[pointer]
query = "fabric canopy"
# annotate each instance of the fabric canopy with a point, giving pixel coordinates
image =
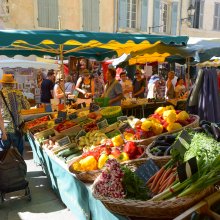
(27, 64)
(94, 45)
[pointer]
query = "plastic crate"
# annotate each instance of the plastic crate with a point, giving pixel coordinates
(102, 102)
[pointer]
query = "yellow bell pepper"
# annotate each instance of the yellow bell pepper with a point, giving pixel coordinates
(123, 157)
(146, 125)
(169, 107)
(76, 166)
(157, 128)
(159, 110)
(128, 136)
(182, 116)
(117, 141)
(102, 160)
(174, 126)
(88, 163)
(169, 116)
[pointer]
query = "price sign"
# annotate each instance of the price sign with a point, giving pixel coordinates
(187, 169)
(58, 120)
(123, 128)
(147, 170)
(62, 114)
(64, 141)
(72, 116)
(80, 134)
(122, 118)
(182, 143)
(102, 124)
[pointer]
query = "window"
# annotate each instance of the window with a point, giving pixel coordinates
(164, 17)
(48, 13)
(216, 26)
(132, 13)
(199, 12)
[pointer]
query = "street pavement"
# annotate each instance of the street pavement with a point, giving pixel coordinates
(44, 204)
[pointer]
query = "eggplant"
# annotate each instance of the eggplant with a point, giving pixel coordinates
(207, 129)
(162, 148)
(161, 142)
(159, 153)
(204, 122)
(167, 152)
(198, 130)
(170, 138)
(216, 131)
(161, 138)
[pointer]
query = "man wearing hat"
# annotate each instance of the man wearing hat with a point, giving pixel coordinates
(12, 101)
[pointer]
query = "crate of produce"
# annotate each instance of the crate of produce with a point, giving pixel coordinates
(32, 111)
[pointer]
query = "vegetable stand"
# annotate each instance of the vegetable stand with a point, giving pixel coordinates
(76, 195)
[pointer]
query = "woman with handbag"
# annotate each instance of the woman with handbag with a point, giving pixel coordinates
(12, 101)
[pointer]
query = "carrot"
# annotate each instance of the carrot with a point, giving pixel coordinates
(151, 179)
(168, 172)
(172, 179)
(167, 179)
(158, 175)
(163, 187)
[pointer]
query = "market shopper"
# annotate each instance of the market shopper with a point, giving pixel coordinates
(126, 85)
(86, 87)
(153, 87)
(180, 89)
(138, 85)
(59, 90)
(47, 87)
(113, 89)
(69, 85)
(12, 101)
(169, 92)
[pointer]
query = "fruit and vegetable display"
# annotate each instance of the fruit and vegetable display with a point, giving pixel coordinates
(64, 125)
(117, 181)
(165, 119)
(96, 158)
(91, 139)
(39, 128)
(36, 122)
(94, 115)
(91, 126)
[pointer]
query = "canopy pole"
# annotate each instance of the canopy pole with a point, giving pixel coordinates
(62, 71)
(188, 71)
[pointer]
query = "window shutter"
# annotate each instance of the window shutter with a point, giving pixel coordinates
(122, 22)
(144, 15)
(174, 17)
(53, 14)
(156, 17)
(91, 15)
(95, 15)
(42, 13)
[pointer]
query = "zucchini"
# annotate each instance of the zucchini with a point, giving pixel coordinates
(70, 157)
(67, 152)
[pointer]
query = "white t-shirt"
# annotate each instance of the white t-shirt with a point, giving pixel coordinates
(181, 89)
(127, 85)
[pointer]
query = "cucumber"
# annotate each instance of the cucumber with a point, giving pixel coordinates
(67, 152)
(73, 156)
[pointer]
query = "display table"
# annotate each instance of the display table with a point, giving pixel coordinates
(76, 195)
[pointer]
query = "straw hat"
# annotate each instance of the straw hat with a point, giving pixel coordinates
(7, 78)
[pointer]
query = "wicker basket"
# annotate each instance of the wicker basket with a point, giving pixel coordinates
(148, 141)
(152, 209)
(90, 176)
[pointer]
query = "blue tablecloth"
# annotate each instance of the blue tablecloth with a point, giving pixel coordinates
(76, 195)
